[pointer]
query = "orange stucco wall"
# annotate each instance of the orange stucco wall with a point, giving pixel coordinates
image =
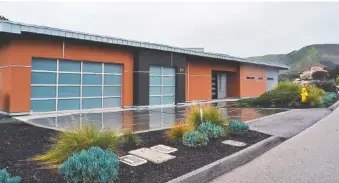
(199, 78)
(5, 78)
(15, 80)
(252, 87)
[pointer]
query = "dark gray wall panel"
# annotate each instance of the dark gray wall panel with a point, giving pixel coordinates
(143, 59)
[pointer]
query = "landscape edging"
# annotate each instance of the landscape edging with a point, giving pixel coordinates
(224, 165)
(334, 106)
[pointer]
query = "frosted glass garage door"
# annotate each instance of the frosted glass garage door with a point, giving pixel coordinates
(162, 85)
(60, 85)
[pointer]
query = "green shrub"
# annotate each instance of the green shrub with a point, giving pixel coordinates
(177, 131)
(130, 138)
(94, 165)
(238, 127)
(315, 95)
(327, 86)
(5, 177)
(73, 141)
(195, 139)
(213, 131)
(329, 98)
(285, 93)
(210, 113)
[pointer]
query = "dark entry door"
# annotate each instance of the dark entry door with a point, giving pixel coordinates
(219, 84)
(214, 85)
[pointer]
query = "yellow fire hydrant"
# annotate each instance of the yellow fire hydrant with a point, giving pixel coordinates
(304, 95)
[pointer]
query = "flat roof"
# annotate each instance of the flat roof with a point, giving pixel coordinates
(18, 28)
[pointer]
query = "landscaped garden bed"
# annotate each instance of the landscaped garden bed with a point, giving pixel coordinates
(89, 154)
(20, 142)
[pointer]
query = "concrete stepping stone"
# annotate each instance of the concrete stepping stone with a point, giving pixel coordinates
(151, 155)
(132, 160)
(234, 143)
(164, 149)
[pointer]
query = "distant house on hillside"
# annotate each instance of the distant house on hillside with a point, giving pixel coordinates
(308, 74)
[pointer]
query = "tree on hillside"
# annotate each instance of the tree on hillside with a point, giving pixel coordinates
(333, 73)
(320, 75)
(3, 18)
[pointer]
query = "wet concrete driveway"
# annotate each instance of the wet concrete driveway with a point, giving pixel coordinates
(148, 119)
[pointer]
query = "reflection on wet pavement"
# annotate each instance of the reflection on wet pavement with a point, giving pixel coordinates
(150, 119)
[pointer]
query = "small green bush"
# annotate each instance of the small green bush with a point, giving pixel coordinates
(177, 131)
(213, 131)
(210, 113)
(130, 138)
(195, 139)
(5, 177)
(73, 141)
(238, 127)
(94, 165)
(329, 98)
(315, 95)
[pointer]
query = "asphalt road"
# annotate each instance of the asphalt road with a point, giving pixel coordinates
(309, 157)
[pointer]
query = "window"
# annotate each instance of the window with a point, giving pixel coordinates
(59, 85)
(162, 85)
(270, 78)
(260, 78)
(250, 77)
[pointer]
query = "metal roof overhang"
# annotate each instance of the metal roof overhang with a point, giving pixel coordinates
(18, 28)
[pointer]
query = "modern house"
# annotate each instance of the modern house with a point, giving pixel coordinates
(44, 69)
(308, 73)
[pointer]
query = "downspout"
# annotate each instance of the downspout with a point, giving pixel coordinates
(63, 49)
(188, 80)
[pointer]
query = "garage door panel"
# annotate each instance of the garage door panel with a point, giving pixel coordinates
(112, 91)
(74, 85)
(69, 91)
(69, 66)
(162, 85)
(113, 68)
(65, 78)
(43, 92)
(43, 105)
(112, 80)
(68, 104)
(91, 103)
(112, 102)
(44, 64)
(44, 78)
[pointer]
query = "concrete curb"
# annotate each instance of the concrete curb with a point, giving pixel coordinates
(334, 106)
(217, 168)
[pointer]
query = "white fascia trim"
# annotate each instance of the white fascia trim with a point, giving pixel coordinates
(14, 113)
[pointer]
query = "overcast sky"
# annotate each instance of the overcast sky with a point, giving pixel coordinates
(237, 29)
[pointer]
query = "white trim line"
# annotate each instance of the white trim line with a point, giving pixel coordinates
(20, 66)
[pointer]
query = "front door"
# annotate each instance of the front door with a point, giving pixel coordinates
(222, 78)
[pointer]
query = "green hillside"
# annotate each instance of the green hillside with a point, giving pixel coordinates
(325, 55)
